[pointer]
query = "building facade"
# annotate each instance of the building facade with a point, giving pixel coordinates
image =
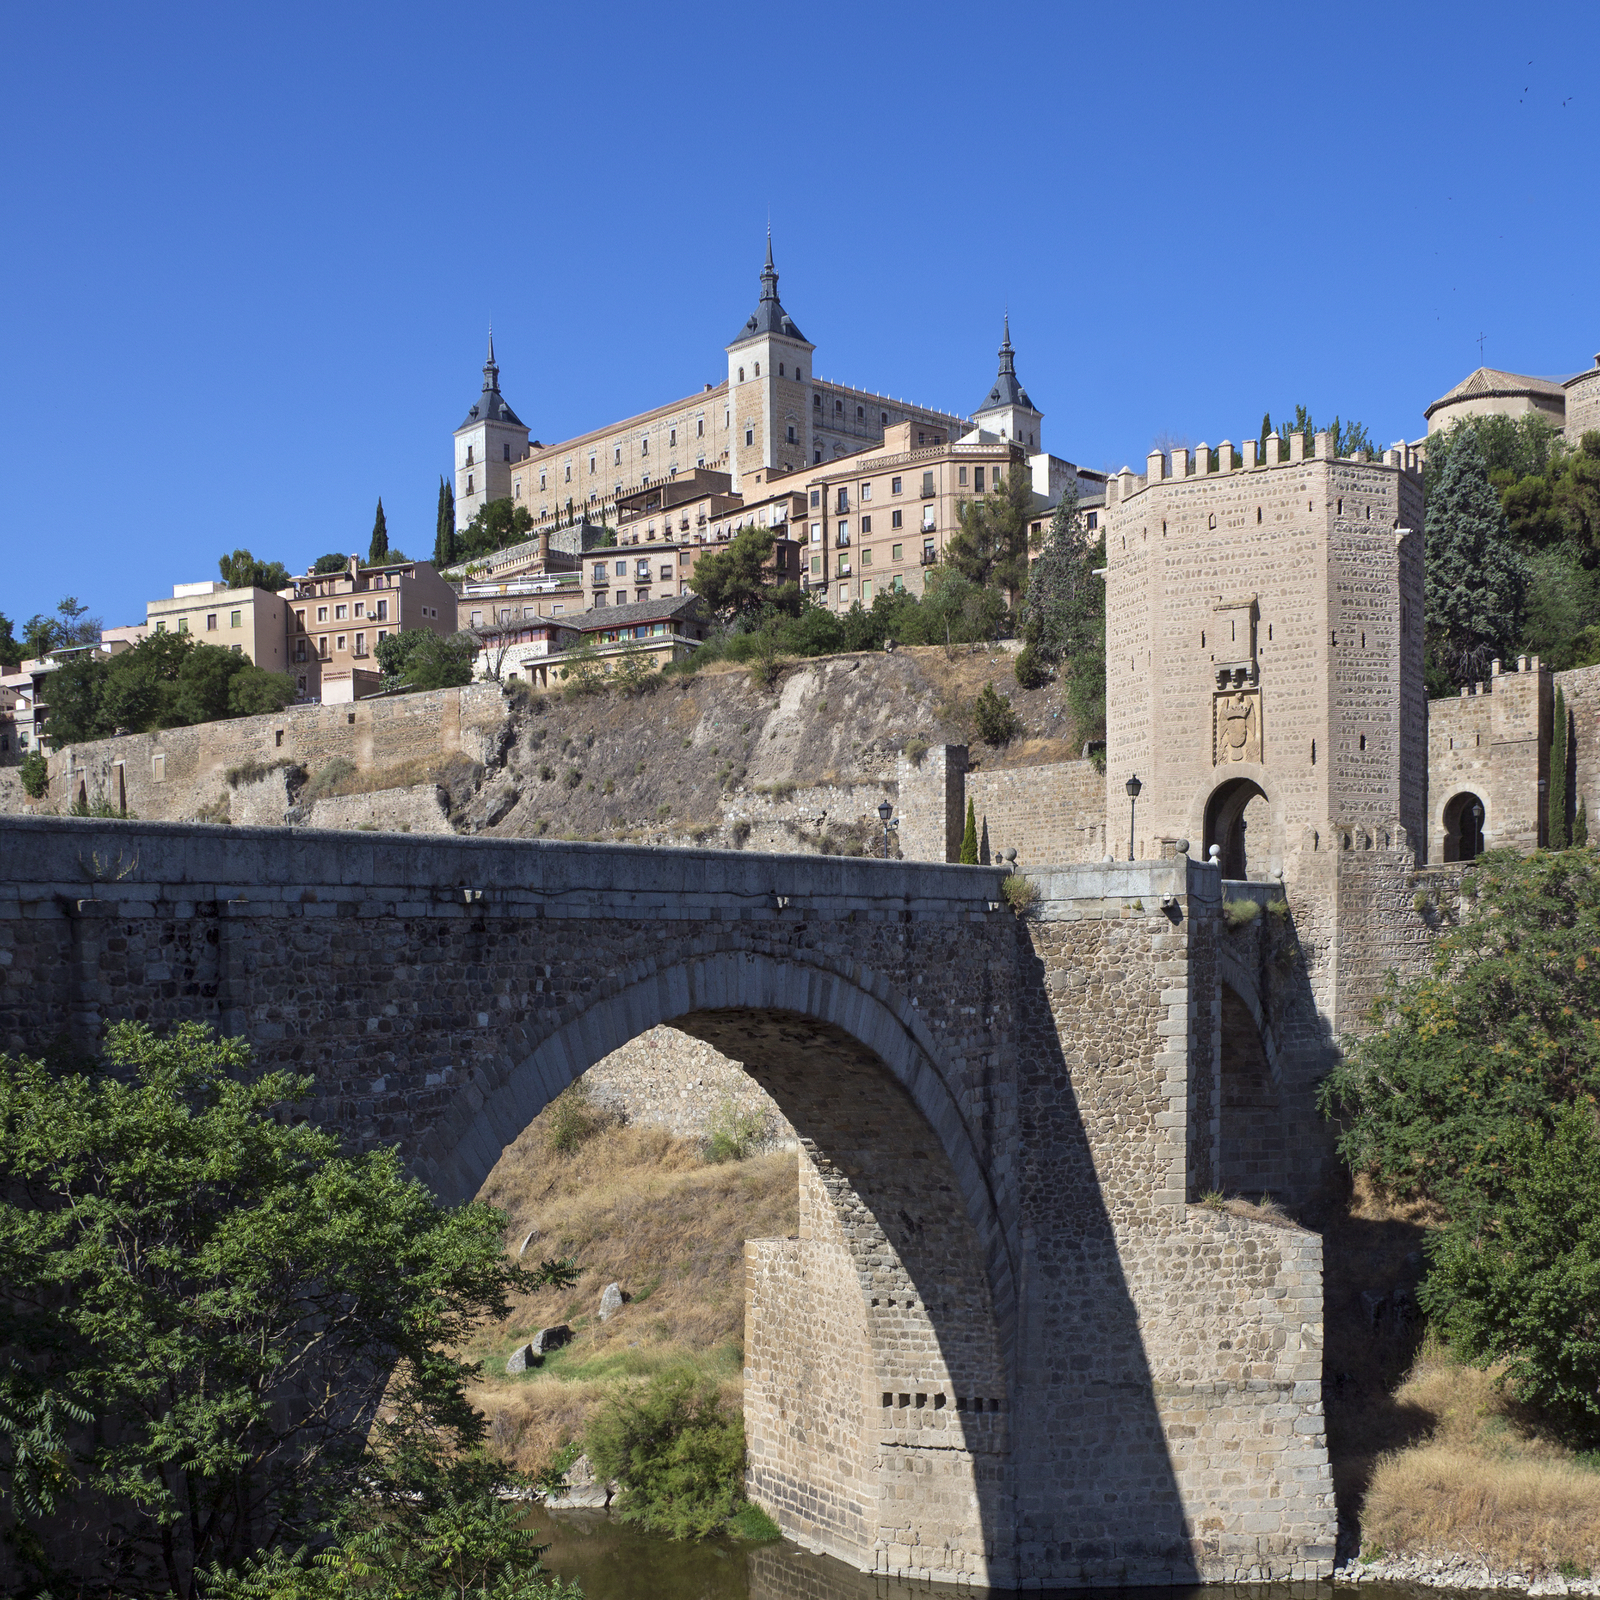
(770, 412)
(250, 622)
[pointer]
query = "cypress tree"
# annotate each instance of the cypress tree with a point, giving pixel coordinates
(969, 840)
(1556, 831)
(1476, 581)
(378, 550)
(444, 537)
(1580, 827)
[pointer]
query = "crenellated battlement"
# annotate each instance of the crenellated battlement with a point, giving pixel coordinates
(1226, 459)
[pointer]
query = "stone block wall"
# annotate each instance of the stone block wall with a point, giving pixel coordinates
(932, 803)
(179, 774)
(1583, 404)
(1051, 814)
(668, 1079)
(1582, 689)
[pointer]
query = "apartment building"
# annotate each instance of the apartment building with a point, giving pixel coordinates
(335, 620)
(249, 622)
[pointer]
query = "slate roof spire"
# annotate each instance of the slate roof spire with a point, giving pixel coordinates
(491, 406)
(1007, 391)
(769, 317)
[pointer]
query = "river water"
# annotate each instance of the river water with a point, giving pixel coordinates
(616, 1562)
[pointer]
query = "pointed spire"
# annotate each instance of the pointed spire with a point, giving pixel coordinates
(1007, 355)
(491, 373)
(769, 273)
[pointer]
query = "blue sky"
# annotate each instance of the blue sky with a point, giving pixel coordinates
(250, 252)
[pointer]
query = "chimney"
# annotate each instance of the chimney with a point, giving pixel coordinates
(544, 547)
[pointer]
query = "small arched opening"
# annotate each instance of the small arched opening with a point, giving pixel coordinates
(1238, 822)
(1251, 1145)
(1463, 827)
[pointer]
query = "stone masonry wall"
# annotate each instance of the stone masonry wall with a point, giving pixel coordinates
(668, 1079)
(1051, 814)
(179, 774)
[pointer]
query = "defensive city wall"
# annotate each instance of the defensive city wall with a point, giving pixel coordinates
(1011, 1343)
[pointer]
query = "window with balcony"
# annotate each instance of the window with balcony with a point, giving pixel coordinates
(929, 554)
(469, 483)
(299, 649)
(322, 647)
(211, 622)
(844, 500)
(361, 644)
(841, 535)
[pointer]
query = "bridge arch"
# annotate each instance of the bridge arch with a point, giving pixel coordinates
(891, 1321)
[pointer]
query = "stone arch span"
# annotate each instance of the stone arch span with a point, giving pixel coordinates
(880, 1342)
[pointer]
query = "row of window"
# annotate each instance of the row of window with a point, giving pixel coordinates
(339, 642)
(341, 613)
(897, 486)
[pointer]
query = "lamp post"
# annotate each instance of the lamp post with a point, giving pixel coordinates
(1132, 788)
(1477, 828)
(885, 811)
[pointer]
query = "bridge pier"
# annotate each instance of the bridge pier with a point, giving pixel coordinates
(1007, 1127)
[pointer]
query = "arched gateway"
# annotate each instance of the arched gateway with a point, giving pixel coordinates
(1007, 1346)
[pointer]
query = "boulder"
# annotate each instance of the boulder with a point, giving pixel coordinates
(610, 1301)
(583, 1489)
(548, 1339)
(523, 1358)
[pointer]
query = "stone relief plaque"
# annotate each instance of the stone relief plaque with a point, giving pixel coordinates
(1237, 727)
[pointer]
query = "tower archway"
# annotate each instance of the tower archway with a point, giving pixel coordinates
(1238, 820)
(1463, 818)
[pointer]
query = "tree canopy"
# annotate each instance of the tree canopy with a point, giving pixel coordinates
(378, 549)
(990, 546)
(444, 533)
(736, 583)
(164, 681)
(42, 635)
(1063, 614)
(10, 646)
(206, 1299)
(1476, 581)
(495, 525)
(1478, 1091)
(418, 658)
(241, 570)
(332, 562)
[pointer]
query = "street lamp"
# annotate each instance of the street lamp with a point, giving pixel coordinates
(1477, 827)
(1132, 788)
(885, 811)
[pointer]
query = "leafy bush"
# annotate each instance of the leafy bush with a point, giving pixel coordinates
(1240, 913)
(997, 723)
(914, 750)
(1020, 893)
(969, 838)
(734, 1134)
(35, 774)
(573, 778)
(574, 1118)
(327, 779)
(1030, 669)
(676, 1452)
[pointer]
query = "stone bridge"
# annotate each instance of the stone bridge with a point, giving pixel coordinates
(1008, 1346)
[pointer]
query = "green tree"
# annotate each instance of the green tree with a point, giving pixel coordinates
(205, 1301)
(1476, 582)
(40, 635)
(332, 562)
(76, 628)
(676, 1452)
(1517, 1278)
(255, 692)
(496, 524)
(241, 570)
(10, 647)
(418, 658)
(997, 722)
(736, 582)
(141, 685)
(1499, 1035)
(1556, 795)
(1063, 614)
(990, 547)
(969, 839)
(444, 536)
(72, 694)
(35, 774)
(204, 682)
(378, 549)
(1580, 826)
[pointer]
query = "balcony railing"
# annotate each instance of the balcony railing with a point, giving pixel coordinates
(841, 541)
(927, 492)
(844, 569)
(930, 558)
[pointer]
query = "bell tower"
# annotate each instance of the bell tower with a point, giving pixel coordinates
(769, 387)
(1006, 409)
(486, 444)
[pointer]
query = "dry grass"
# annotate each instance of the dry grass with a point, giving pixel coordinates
(637, 1207)
(1429, 1458)
(1485, 1482)
(453, 770)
